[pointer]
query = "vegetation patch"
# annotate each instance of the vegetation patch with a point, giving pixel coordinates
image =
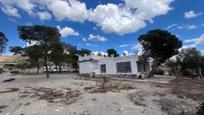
(137, 98)
(67, 96)
(105, 84)
(2, 107)
(10, 90)
(188, 88)
(175, 107)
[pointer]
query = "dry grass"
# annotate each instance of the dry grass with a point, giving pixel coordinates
(188, 88)
(137, 99)
(110, 86)
(51, 95)
(2, 107)
(10, 90)
(175, 107)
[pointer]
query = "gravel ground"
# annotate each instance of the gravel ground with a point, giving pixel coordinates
(142, 100)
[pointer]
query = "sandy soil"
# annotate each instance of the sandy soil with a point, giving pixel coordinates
(146, 98)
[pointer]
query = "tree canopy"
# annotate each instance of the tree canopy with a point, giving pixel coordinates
(159, 45)
(44, 36)
(3, 42)
(112, 52)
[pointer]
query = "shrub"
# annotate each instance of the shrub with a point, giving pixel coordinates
(200, 109)
(1, 70)
(159, 72)
(187, 73)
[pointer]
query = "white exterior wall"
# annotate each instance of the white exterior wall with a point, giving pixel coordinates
(91, 64)
(111, 64)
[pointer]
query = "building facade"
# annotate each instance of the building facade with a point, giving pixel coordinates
(113, 65)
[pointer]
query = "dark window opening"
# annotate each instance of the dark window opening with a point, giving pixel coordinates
(103, 68)
(123, 67)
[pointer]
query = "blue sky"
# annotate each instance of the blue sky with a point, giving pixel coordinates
(101, 24)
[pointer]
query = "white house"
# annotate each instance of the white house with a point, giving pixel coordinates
(112, 65)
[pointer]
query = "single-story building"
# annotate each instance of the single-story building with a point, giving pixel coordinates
(11, 60)
(131, 65)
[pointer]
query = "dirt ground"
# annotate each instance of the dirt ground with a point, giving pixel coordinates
(69, 94)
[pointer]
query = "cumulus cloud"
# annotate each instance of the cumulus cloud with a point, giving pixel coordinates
(196, 41)
(191, 14)
(44, 15)
(112, 18)
(139, 49)
(96, 38)
(11, 11)
(73, 10)
(25, 5)
(127, 17)
(67, 31)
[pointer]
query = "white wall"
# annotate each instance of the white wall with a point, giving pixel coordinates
(111, 64)
(87, 67)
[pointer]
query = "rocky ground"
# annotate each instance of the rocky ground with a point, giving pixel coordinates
(69, 94)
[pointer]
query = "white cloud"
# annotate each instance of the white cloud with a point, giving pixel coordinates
(67, 31)
(112, 18)
(124, 45)
(127, 17)
(11, 11)
(84, 39)
(44, 15)
(139, 49)
(196, 41)
(191, 14)
(202, 52)
(96, 38)
(182, 27)
(171, 26)
(102, 53)
(73, 10)
(25, 5)
(91, 45)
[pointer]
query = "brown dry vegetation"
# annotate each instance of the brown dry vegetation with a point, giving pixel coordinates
(9, 90)
(188, 88)
(51, 95)
(105, 85)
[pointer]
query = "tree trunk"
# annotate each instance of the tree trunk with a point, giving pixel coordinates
(46, 65)
(38, 68)
(151, 73)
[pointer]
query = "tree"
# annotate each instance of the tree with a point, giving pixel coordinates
(3, 42)
(44, 36)
(35, 54)
(83, 52)
(17, 50)
(57, 55)
(71, 55)
(159, 45)
(202, 65)
(191, 59)
(112, 52)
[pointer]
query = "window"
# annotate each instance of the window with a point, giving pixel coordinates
(141, 67)
(103, 68)
(123, 67)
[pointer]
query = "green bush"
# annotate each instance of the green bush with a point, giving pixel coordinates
(200, 109)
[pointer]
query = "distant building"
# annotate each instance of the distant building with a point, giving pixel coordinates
(113, 65)
(11, 60)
